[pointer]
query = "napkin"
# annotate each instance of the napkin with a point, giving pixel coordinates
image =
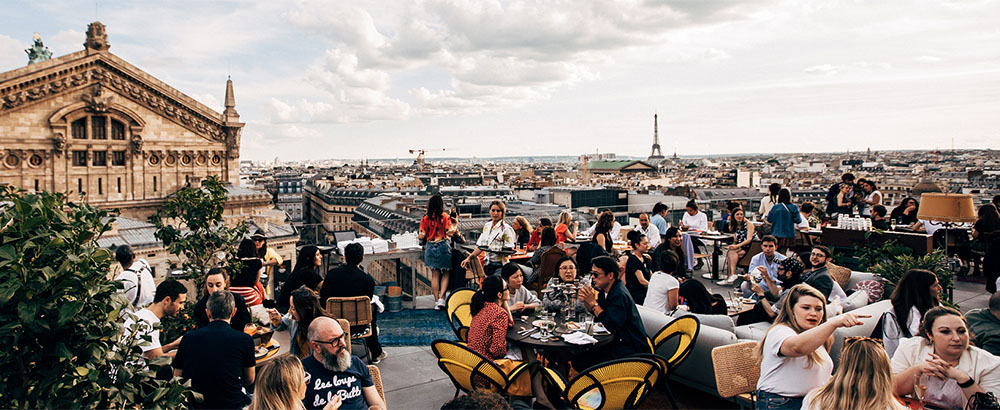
(579, 338)
(599, 328)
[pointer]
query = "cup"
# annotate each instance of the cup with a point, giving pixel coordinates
(588, 324)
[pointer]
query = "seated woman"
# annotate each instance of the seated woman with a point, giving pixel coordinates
(744, 231)
(916, 293)
(306, 272)
(217, 279)
(548, 240)
(636, 267)
(862, 381)
(247, 282)
(794, 351)
(521, 299)
(698, 300)
(602, 232)
(954, 369)
(566, 273)
(302, 309)
(662, 294)
(522, 229)
(491, 318)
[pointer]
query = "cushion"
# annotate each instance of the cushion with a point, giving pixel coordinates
(873, 288)
(857, 299)
(723, 322)
(840, 274)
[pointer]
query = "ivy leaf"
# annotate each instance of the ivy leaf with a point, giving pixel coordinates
(68, 310)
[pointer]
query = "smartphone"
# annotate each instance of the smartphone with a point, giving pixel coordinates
(269, 304)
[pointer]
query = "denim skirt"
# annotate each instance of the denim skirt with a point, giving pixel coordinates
(437, 255)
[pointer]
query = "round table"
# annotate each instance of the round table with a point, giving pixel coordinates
(528, 342)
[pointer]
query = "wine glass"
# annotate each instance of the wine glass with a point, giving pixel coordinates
(920, 388)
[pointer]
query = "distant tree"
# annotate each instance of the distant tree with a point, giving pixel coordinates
(190, 225)
(63, 346)
(773, 161)
(691, 166)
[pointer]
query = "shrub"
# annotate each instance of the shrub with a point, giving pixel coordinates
(59, 313)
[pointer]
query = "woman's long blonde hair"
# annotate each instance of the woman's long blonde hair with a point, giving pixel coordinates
(863, 380)
(277, 384)
(524, 222)
(564, 218)
(787, 317)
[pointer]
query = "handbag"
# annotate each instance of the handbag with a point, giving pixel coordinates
(982, 400)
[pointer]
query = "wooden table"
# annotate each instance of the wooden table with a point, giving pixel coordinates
(550, 345)
(745, 307)
(921, 243)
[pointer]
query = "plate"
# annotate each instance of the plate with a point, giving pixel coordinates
(748, 301)
(540, 323)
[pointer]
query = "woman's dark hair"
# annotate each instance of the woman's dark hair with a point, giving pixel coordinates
(659, 207)
(435, 207)
(773, 190)
(247, 249)
(733, 205)
(217, 271)
(492, 286)
(564, 259)
(913, 290)
(605, 221)
(691, 204)
(634, 237)
(509, 270)
(306, 258)
(927, 323)
(696, 296)
(306, 306)
(548, 236)
(988, 214)
(785, 196)
(871, 184)
(733, 225)
(544, 222)
(671, 232)
(606, 264)
(807, 207)
(898, 210)
(804, 258)
(666, 261)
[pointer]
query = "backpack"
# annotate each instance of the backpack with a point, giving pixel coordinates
(138, 287)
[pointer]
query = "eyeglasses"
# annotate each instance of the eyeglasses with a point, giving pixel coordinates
(333, 342)
(850, 340)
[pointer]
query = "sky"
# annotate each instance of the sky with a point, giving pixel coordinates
(462, 78)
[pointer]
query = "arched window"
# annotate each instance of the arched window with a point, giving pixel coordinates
(100, 127)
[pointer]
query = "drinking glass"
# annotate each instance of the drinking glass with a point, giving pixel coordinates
(550, 326)
(920, 388)
(736, 297)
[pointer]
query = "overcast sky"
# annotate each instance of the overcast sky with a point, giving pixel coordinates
(371, 79)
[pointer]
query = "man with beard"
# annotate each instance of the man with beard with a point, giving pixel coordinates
(334, 374)
(168, 300)
(819, 277)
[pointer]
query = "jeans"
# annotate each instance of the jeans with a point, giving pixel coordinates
(771, 401)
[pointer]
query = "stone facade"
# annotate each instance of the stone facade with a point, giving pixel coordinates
(90, 122)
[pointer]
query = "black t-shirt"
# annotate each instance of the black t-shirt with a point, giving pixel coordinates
(304, 276)
(213, 358)
(523, 237)
(241, 319)
(346, 281)
(348, 384)
(635, 288)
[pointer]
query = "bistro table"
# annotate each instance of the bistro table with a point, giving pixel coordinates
(556, 346)
(266, 352)
(715, 237)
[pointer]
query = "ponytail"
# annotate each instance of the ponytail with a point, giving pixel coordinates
(492, 286)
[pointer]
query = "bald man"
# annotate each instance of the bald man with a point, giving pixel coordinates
(334, 374)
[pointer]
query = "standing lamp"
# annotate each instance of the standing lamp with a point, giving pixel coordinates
(948, 208)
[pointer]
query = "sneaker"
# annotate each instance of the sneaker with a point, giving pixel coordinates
(440, 305)
(380, 358)
(699, 264)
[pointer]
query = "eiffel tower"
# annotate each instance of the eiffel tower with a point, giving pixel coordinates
(656, 154)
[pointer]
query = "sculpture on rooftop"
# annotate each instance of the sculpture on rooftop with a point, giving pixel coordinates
(38, 52)
(97, 37)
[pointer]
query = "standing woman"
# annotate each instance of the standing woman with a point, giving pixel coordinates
(987, 231)
(794, 351)
(845, 201)
(744, 235)
(768, 201)
(494, 231)
(247, 282)
(265, 253)
(306, 273)
(436, 228)
(955, 369)
(636, 268)
(522, 230)
(872, 197)
(862, 381)
(784, 217)
(602, 232)
(563, 233)
(915, 293)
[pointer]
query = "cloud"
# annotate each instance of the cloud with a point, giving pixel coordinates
(12, 53)
(928, 59)
(832, 69)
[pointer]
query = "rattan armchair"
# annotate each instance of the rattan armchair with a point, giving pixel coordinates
(737, 369)
(469, 370)
(459, 314)
(617, 384)
(357, 310)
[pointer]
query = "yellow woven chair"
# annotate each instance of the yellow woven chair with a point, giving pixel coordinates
(617, 384)
(737, 369)
(377, 380)
(685, 330)
(459, 313)
(470, 371)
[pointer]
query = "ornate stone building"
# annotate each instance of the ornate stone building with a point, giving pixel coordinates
(90, 122)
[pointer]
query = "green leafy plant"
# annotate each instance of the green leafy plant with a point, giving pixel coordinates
(892, 268)
(176, 326)
(870, 255)
(59, 313)
(190, 224)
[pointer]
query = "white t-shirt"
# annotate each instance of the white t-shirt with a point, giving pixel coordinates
(789, 376)
(805, 221)
(698, 221)
(979, 364)
(147, 322)
(765, 206)
(659, 285)
(138, 278)
(652, 233)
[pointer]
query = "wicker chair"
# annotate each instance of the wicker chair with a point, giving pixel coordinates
(357, 310)
(459, 315)
(737, 369)
(377, 379)
(469, 370)
(685, 330)
(548, 268)
(840, 274)
(617, 384)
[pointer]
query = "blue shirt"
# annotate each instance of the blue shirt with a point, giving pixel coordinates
(659, 223)
(772, 268)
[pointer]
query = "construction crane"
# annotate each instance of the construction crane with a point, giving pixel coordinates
(419, 162)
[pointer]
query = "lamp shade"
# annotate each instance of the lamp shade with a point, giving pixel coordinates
(941, 207)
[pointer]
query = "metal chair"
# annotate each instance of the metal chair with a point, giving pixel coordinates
(617, 384)
(469, 370)
(685, 331)
(357, 310)
(459, 314)
(736, 371)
